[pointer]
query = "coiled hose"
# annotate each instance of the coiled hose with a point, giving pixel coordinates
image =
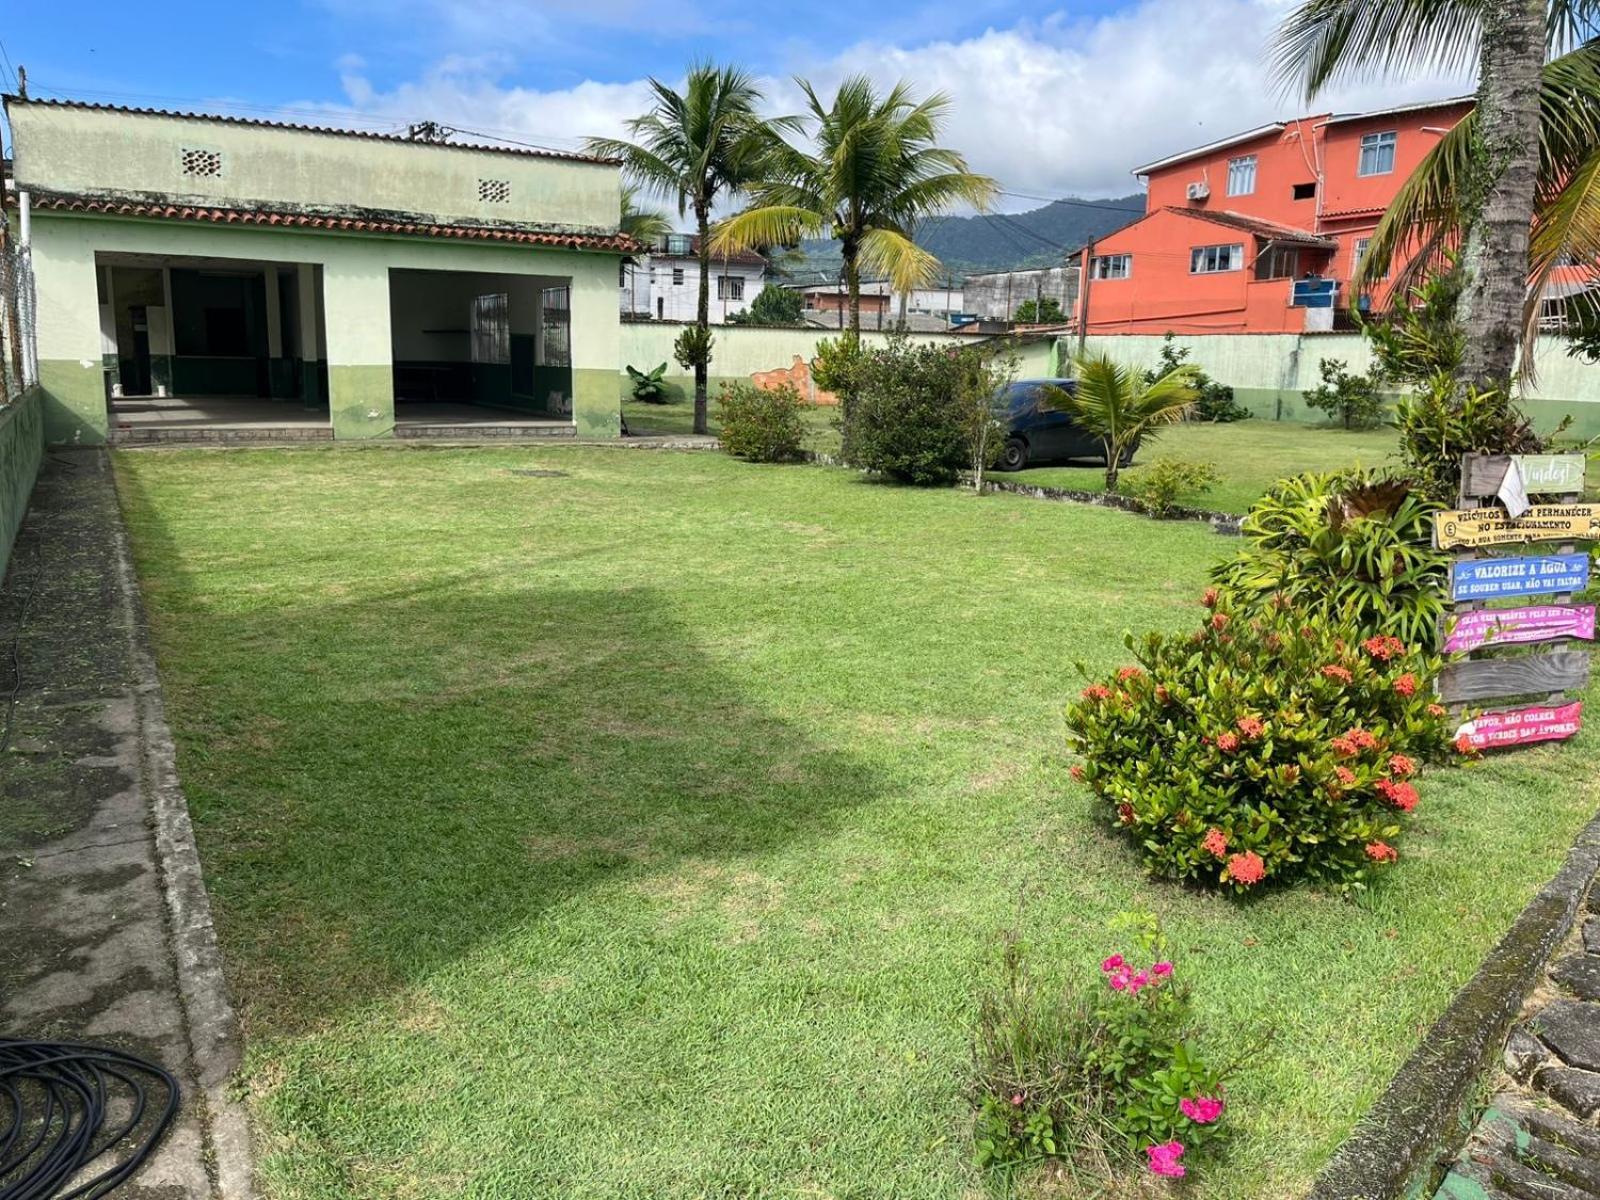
(71, 1105)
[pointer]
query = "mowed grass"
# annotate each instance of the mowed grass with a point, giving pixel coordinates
(1249, 456)
(648, 830)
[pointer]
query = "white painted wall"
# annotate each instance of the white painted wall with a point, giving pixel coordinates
(668, 289)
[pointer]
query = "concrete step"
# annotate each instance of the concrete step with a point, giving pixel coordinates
(483, 432)
(254, 434)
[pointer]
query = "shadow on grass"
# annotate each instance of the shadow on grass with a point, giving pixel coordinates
(384, 781)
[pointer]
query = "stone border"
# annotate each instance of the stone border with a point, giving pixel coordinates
(211, 1026)
(1420, 1118)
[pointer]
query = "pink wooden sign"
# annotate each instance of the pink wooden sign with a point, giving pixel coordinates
(1513, 626)
(1523, 726)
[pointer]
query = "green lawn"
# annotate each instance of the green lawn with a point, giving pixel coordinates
(1249, 456)
(647, 830)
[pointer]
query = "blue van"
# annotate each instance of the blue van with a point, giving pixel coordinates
(1037, 434)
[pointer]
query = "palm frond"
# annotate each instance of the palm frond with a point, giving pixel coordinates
(1327, 40)
(770, 226)
(890, 252)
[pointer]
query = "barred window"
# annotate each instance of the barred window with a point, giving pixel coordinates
(491, 328)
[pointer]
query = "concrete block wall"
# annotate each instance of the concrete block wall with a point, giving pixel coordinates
(1271, 373)
(21, 450)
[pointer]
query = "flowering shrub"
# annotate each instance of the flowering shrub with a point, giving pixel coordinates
(1104, 1082)
(1272, 748)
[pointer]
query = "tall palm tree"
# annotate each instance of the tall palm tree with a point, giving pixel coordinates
(643, 225)
(694, 147)
(872, 168)
(1498, 156)
(1113, 402)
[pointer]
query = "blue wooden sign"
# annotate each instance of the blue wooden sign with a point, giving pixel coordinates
(1492, 578)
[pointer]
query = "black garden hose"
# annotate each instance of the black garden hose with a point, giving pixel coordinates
(65, 1106)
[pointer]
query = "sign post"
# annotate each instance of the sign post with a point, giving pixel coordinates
(1539, 501)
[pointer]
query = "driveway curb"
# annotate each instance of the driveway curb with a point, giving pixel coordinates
(1423, 1115)
(211, 1026)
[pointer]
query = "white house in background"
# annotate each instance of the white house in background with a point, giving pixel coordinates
(664, 285)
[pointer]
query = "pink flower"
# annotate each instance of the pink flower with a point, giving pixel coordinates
(1161, 970)
(1140, 980)
(1112, 963)
(1202, 1110)
(1164, 1159)
(1209, 598)
(1119, 981)
(1017, 1100)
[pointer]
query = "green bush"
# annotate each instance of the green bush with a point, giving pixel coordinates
(649, 386)
(761, 424)
(911, 415)
(1214, 401)
(773, 305)
(1167, 480)
(1285, 741)
(1440, 423)
(1104, 1081)
(1350, 399)
(1349, 546)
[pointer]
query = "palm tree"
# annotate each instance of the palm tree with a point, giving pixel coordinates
(643, 225)
(872, 169)
(1495, 187)
(694, 147)
(1114, 403)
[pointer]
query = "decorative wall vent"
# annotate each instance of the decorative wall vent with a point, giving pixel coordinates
(494, 191)
(201, 162)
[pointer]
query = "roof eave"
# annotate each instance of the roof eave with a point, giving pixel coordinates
(1173, 160)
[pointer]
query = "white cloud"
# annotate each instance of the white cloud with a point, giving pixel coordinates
(1049, 107)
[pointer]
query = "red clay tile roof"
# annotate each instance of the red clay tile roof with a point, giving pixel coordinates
(1270, 230)
(225, 215)
(528, 151)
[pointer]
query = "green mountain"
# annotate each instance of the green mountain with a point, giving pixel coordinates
(1041, 237)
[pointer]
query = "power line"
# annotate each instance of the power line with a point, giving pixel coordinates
(1074, 200)
(6, 58)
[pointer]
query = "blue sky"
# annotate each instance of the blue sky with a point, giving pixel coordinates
(1051, 99)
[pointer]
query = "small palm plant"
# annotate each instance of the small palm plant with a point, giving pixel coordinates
(1114, 403)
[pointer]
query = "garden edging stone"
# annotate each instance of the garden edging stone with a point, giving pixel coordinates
(1418, 1119)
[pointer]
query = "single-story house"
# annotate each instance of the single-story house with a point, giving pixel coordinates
(191, 268)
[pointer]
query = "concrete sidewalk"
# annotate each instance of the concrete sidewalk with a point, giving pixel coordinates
(105, 933)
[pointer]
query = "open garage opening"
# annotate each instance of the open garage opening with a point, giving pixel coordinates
(195, 345)
(480, 348)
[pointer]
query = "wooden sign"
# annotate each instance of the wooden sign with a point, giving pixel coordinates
(1496, 678)
(1493, 527)
(1468, 631)
(1523, 726)
(1542, 474)
(1492, 578)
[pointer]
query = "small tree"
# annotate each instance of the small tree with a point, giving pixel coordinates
(1214, 401)
(1349, 398)
(773, 305)
(981, 375)
(649, 386)
(1033, 312)
(1114, 403)
(693, 349)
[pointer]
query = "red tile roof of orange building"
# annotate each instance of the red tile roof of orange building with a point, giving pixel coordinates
(1270, 230)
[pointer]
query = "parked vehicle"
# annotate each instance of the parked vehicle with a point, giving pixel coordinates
(1038, 434)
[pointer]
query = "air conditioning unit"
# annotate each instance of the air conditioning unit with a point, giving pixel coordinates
(1198, 190)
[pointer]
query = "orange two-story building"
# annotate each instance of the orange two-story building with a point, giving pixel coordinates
(1260, 232)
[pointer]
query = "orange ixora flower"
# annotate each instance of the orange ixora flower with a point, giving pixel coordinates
(1127, 673)
(1247, 868)
(1097, 691)
(1219, 620)
(1406, 685)
(1384, 647)
(1402, 765)
(1215, 842)
(1251, 727)
(1382, 852)
(1227, 742)
(1335, 671)
(1209, 597)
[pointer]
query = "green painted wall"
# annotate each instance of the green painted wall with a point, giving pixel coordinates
(1271, 373)
(21, 449)
(84, 151)
(739, 351)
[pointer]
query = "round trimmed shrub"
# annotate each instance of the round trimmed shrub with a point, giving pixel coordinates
(1261, 749)
(761, 424)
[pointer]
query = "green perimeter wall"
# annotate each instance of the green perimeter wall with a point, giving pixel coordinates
(21, 448)
(739, 351)
(1270, 373)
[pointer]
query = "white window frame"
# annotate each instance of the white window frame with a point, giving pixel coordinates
(1216, 260)
(1359, 249)
(730, 287)
(1111, 266)
(1242, 175)
(1377, 143)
